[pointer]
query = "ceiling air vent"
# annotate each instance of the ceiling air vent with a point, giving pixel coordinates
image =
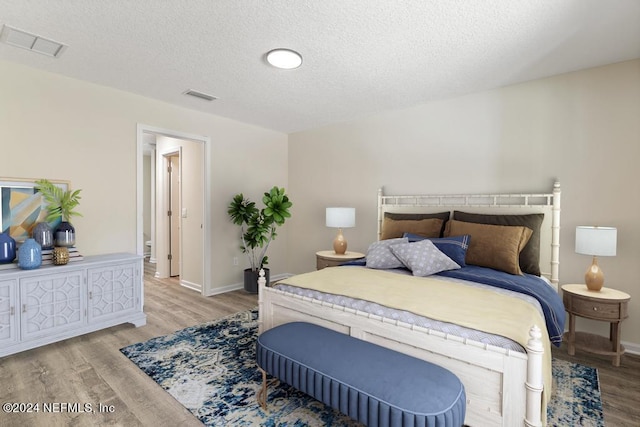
(32, 42)
(200, 95)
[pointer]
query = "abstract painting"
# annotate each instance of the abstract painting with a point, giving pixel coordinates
(22, 206)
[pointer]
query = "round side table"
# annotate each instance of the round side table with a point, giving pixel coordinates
(332, 259)
(607, 305)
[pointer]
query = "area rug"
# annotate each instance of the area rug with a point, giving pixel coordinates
(210, 369)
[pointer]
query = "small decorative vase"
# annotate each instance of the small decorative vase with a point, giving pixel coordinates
(30, 255)
(7, 248)
(65, 234)
(60, 255)
(43, 234)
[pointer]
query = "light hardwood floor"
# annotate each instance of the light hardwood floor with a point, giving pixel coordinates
(91, 369)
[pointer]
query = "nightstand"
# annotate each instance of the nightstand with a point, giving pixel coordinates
(608, 305)
(332, 259)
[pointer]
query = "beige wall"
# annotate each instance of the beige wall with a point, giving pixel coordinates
(60, 128)
(581, 128)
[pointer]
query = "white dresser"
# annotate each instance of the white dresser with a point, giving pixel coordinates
(53, 303)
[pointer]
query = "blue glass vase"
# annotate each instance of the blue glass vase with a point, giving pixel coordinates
(65, 234)
(29, 255)
(43, 234)
(7, 248)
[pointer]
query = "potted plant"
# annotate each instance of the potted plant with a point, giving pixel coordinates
(60, 204)
(258, 229)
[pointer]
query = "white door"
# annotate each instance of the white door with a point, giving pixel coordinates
(175, 215)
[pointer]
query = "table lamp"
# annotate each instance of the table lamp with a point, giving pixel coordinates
(340, 218)
(595, 241)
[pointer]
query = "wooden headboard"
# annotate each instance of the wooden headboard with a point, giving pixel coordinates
(523, 203)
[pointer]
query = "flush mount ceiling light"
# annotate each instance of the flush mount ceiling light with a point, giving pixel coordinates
(32, 42)
(286, 59)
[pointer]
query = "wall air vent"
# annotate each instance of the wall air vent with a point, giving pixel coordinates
(32, 42)
(200, 95)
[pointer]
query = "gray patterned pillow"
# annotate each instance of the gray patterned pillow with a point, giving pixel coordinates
(379, 255)
(423, 258)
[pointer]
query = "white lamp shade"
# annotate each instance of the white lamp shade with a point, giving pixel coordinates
(598, 241)
(341, 217)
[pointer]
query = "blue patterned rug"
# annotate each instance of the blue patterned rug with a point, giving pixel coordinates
(210, 369)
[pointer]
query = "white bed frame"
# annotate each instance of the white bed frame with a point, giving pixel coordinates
(503, 387)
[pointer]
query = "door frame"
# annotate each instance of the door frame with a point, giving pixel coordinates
(206, 197)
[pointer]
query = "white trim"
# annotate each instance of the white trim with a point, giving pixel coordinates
(239, 286)
(163, 265)
(190, 285)
(225, 289)
(631, 347)
(206, 255)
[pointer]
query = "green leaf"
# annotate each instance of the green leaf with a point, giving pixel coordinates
(60, 203)
(260, 224)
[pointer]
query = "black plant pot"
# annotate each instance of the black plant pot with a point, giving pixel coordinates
(251, 279)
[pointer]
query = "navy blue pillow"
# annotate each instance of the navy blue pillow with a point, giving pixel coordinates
(455, 247)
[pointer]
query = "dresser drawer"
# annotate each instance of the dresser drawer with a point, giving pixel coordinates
(599, 310)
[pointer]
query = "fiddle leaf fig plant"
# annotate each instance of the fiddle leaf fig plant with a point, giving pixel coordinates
(60, 203)
(258, 226)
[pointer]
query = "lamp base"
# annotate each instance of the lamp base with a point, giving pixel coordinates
(340, 243)
(594, 277)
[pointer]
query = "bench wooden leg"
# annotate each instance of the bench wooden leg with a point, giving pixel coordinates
(262, 394)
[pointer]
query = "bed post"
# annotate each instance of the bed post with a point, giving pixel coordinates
(380, 192)
(262, 283)
(534, 384)
(555, 235)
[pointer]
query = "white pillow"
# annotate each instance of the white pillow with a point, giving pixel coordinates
(379, 255)
(423, 258)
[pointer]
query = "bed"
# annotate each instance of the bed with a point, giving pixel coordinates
(505, 385)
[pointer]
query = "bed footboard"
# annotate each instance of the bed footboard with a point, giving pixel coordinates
(503, 387)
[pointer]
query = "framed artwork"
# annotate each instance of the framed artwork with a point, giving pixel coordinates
(22, 206)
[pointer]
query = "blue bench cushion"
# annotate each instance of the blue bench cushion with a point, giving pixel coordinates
(370, 383)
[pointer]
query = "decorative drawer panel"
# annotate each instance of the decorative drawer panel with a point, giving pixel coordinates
(113, 290)
(50, 303)
(8, 316)
(594, 309)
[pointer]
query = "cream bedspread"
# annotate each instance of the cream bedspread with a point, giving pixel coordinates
(453, 302)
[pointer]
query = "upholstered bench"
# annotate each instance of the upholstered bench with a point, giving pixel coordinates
(372, 384)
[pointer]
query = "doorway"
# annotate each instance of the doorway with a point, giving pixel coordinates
(182, 248)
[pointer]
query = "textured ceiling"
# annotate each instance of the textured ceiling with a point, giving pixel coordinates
(360, 57)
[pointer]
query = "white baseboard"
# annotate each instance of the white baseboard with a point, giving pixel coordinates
(239, 286)
(631, 347)
(190, 285)
(225, 289)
